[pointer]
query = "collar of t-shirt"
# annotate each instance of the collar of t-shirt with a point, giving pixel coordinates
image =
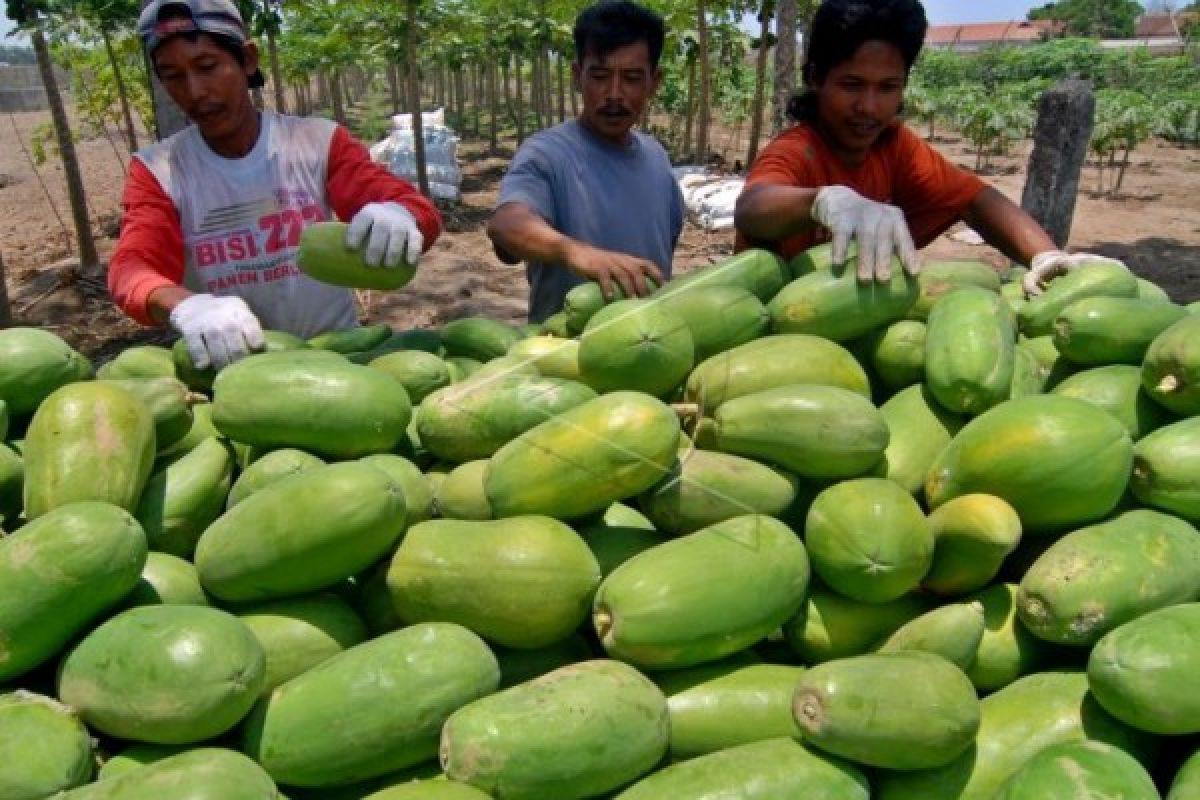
(236, 166)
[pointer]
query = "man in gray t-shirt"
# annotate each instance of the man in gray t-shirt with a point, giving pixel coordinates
(592, 199)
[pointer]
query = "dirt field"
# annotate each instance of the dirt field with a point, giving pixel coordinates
(1154, 227)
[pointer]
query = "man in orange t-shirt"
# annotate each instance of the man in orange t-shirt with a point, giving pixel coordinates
(850, 171)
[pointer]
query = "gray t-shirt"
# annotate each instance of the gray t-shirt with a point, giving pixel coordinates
(617, 198)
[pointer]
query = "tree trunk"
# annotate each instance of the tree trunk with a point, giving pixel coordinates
(122, 92)
(562, 88)
(460, 88)
(760, 83)
(705, 84)
(1121, 170)
(89, 260)
(519, 97)
(414, 99)
(785, 63)
(690, 112)
(493, 108)
(335, 92)
(276, 72)
(393, 87)
(5, 306)
(477, 102)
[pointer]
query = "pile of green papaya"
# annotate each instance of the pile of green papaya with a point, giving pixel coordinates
(770, 533)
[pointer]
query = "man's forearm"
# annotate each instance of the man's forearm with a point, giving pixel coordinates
(1007, 227)
(161, 301)
(519, 232)
(770, 213)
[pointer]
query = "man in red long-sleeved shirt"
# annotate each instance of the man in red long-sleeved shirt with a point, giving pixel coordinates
(213, 214)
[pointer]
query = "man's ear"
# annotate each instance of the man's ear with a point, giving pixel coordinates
(251, 51)
(656, 77)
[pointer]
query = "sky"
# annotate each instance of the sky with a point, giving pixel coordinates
(940, 12)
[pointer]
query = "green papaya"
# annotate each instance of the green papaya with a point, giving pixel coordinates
(703, 596)
(201, 380)
(1148, 290)
(475, 418)
(44, 747)
(90, 441)
(745, 704)
(167, 580)
(202, 428)
(299, 633)
(324, 256)
(328, 407)
(1096, 331)
(140, 361)
(759, 272)
(579, 731)
(553, 357)
(1098, 279)
(584, 459)
(635, 345)
(183, 499)
(1059, 462)
(814, 431)
(835, 305)
(953, 632)
(706, 487)
(972, 535)
(772, 362)
(1097, 578)
(617, 536)
(309, 532)
(869, 540)
(773, 769)
(1118, 390)
(188, 673)
(479, 338)
(271, 468)
(167, 401)
(1166, 469)
(918, 430)
(461, 494)
(429, 790)
(519, 665)
(556, 325)
(389, 698)
(718, 317)
(970, 350)
(581, 303)
(207, 772)
(1029, 376)
(939, 278)
(12, 483)
(136, 756)
(419, 372)
(1008, 650)
(60, 573)
(418, 493)
(923, 710)
(897, 353)
(1186, 784)
(522, 582)
(1073, 769)
(1016, 723)
(831, 626)
(33, 364)
(1145, 672)
(1171, 370)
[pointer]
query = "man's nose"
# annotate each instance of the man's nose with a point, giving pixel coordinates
(612, 90)
(196, 86)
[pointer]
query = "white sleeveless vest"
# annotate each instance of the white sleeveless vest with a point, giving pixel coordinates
(242, 217)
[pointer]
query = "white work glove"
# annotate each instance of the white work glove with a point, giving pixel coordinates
(217, 330)
(395, 237)
(1051, 264)
(879, 229)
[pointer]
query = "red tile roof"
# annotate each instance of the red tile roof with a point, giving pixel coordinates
(1154, 26)
(988, 32)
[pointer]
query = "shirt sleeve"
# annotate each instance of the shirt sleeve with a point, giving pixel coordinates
(353, 180)
(149, 252)
(933, 193)
(789, 160)
(530, 181)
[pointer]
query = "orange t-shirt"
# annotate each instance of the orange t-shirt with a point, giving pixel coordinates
(901, 170)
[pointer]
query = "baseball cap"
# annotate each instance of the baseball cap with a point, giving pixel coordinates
(162, 19)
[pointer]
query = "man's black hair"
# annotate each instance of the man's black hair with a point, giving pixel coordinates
(612, 24)
(840, 27)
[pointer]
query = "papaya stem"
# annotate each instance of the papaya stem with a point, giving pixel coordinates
(686, 410)
(1169, 384)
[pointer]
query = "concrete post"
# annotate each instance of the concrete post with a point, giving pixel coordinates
(1060, 146)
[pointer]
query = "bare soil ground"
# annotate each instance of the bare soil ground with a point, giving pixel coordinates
(1154, 226)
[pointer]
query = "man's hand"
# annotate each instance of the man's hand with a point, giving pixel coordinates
(879, 230)
(605, 266)
(394, 235)
(217, 330)
(1051, 264)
